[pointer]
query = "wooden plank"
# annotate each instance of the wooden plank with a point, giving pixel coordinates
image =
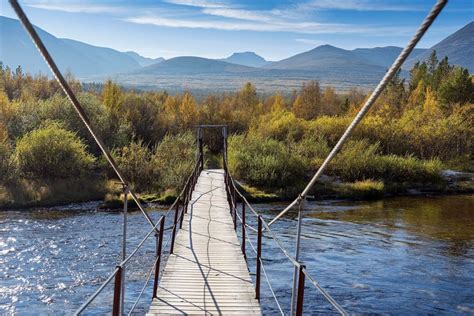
(207, 273)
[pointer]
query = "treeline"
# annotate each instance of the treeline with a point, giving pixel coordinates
(415, 129)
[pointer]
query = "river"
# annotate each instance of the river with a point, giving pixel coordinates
(403, 255)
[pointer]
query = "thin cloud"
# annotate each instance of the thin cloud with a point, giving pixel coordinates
(293, 27)
(240, 14)
(75, 7)
(358, 5)
(199, 3)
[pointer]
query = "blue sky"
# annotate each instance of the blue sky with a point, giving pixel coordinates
(215, 29)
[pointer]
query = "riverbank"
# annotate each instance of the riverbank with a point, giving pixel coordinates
(330, 188)
(28, 194)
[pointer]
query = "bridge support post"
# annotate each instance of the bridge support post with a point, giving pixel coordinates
(124, 244)
(117, 292)
(159, 240)
(235, 213)
(201, 151)
(297, 255)
(181, 216)
(300, 298)
(175, 223)
(243, 230)
(259, 258)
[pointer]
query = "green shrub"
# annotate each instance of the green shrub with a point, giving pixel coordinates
(280, 125)
(360, 160)
(264, 161)
(312, 149)
(174, 160)
(52, 152)
(329, 127)
(135, 161)
(5, 152)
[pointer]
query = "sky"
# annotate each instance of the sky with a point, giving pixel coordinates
(274, 29)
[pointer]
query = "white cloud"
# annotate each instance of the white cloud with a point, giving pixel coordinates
(358, 5)
(199, 3)
(293, 27)
(250, 15)
(75, 7)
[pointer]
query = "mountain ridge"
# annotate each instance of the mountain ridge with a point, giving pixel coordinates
(459, 47)
(326, 63)
(80, 58)
(250, 59)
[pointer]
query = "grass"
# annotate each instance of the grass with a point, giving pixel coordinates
(362, 190)
(256, 195)
(24, 193)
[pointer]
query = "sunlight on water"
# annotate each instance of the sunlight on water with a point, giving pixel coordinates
(404, 255)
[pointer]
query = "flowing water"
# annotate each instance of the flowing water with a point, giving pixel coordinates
(406, 255)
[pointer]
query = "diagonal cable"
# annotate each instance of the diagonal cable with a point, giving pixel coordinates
(430, 18)
(72, 97)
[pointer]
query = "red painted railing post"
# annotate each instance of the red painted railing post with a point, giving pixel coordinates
(235, 214)
(181, 216)
(259, 257)
(117, 292)
(175, 224)
(243, 230)
(158, 255)
(300, 296)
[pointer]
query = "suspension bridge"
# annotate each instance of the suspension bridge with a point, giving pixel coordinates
(207, 270)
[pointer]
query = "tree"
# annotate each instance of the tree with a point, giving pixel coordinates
(308, 103)
(112, 96)
(394, 96)
(431, 105)
(329, 102)
(188, 110)
(456, 88)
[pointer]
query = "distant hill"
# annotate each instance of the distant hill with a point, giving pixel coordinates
(144, 61)
(246, 59)
(81, 59)
(193, 65)
(329, 59)
(459, 47)
(338, 67)
(383, 56)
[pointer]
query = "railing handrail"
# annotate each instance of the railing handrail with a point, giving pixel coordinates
(123, 263)
(292, 259)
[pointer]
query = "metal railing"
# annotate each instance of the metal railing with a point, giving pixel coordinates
(263, 230)
(180, 206)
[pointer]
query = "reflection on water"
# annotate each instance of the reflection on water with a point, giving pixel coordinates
(53, 259)
(400, 255)
(406, 255)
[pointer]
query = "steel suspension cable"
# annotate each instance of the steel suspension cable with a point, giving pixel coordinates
(430, 18)
(72, 97)
(324, 293)
(270, 287)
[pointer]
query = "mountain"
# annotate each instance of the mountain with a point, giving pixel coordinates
(329, 59)
(189, 65)
(144, 61)
(246, 59)
(81, 59)
(383, 56)
(459, 47)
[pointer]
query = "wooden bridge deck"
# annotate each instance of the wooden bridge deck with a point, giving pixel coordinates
(207, 273)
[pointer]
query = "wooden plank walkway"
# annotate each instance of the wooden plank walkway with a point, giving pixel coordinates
(207, 273)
